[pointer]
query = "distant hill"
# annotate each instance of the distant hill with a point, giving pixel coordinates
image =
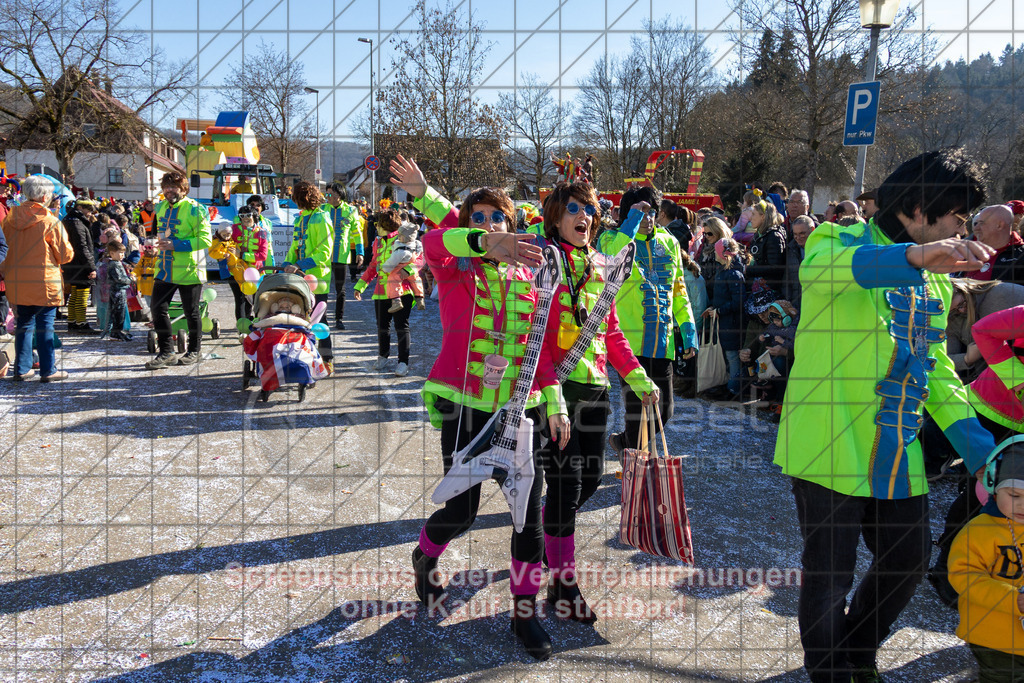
(339, 157)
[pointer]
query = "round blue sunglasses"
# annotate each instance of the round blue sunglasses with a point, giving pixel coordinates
(573, 208)
(479, 217)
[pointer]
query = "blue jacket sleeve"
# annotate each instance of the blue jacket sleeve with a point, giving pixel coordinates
(877, 266)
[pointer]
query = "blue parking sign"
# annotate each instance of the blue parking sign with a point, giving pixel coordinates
(861, 114)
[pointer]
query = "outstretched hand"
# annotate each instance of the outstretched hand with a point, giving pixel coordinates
(406, 175)
(511, 247)
(950, 255)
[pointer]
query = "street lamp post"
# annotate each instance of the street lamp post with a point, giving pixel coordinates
(319, 168)
(373, 174)
(874, 15)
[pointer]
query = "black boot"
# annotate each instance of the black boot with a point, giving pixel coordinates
(567, 601)
(527, 627)
(428, 588)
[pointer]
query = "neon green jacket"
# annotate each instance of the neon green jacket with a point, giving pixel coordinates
(311, 247)
(187, 225)
(348, 231)
(653, 299)
(870, 354)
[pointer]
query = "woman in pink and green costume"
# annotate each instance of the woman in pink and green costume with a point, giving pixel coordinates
(487, 303)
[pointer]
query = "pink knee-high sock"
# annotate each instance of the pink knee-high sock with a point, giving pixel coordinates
(429, 548)
(561, 551)
(525, 577)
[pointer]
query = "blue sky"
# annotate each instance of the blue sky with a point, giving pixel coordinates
(557, 40)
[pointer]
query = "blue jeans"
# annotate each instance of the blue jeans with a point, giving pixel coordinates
(733, 359)
(38, 319)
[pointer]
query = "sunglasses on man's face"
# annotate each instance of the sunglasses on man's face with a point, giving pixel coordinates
(479, 218)
(573, 208)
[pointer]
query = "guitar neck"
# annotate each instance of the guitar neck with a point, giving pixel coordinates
(528, 368)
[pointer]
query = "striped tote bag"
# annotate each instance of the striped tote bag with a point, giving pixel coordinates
(654, 517)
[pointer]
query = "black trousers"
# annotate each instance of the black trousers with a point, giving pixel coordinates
(660, 371)
(401, 321)
(574, 473)
(324, 345)
(243, 308)
(338, 271)
(459, 512)
(191, 295)
(896, 532)
(996, 666)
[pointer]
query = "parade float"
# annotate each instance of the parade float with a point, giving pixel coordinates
(224, 171)
(690, 199)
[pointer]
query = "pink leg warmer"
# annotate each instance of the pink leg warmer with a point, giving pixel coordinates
(561, 552)
(429, 548)
(526, 577)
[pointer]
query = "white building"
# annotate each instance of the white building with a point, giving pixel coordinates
(125, 176)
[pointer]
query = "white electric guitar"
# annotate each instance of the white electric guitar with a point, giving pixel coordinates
(503, 450)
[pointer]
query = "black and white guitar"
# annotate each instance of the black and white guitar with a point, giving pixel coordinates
(503, 450)
(617, 269)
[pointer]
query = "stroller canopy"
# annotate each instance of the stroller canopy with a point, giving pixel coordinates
(283, 283)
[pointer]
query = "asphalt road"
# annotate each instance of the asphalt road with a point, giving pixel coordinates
(167, 526)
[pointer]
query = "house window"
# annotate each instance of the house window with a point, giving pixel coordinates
(90, 129)
(115, 176)
(40, 168)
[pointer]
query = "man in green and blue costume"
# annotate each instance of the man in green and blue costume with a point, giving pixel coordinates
(183, 235)
(869, 358)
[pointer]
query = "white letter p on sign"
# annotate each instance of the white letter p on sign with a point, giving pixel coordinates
(861, 100)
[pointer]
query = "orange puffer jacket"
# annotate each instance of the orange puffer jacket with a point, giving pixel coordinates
(37, 247)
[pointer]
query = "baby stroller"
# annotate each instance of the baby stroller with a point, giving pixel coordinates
(281, 349)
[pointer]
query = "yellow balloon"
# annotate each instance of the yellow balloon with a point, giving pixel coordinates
(248, 288)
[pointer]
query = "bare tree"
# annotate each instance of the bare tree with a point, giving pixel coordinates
(613, 116)
(534, 118)
(70, 68)
(677, 75)
(806, 113)
(269, 85)
(429, 111)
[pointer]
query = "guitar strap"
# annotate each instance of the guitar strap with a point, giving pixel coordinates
(616, 271)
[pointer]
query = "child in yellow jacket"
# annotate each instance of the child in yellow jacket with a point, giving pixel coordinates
(986, 567)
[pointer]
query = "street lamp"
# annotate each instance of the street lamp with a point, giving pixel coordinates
(319, 168)
(874, 15)
(373, 174)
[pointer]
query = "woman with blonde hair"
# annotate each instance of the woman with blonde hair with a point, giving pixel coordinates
(768, 247)
(715, 229)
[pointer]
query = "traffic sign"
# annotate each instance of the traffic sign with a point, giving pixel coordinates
(317, 173)
(861, 114)
(372, 163)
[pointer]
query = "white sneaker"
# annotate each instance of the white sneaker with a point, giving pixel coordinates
(379, 363)
(402, 370)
